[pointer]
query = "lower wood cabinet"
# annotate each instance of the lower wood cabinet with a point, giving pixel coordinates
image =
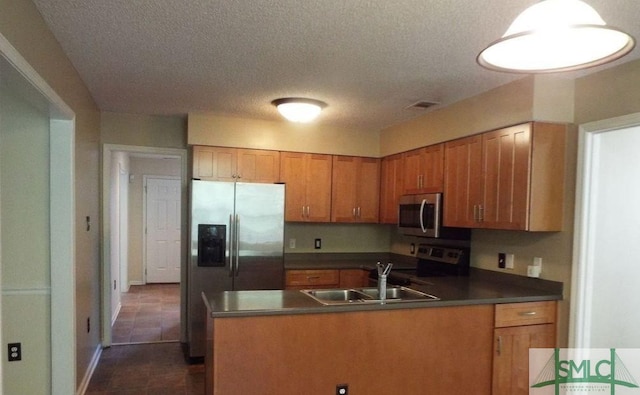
(519, 327)
(439, 350)
(326, 278)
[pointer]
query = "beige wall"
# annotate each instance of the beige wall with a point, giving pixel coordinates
(143, 130)
(218, 130)
(22, 25)
(607, 94)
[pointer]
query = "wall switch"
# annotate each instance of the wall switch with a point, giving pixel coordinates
(88, 324)
(342, 389)
(317, 244)
(292, 243)
(15, 352)
(509, 261)
(537, 261)
(502, 260)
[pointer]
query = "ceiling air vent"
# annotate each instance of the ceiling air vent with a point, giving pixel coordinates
(423, 104)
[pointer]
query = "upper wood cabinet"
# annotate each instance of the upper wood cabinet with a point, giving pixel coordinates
(391, 188)
(308, 186)
(423, 170)
(511, 178)
(355, 189)
(235, 164)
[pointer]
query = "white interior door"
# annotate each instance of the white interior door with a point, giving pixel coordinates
(163, 231)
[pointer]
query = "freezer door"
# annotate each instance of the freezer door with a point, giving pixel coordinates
(212, 207)
(260, 236)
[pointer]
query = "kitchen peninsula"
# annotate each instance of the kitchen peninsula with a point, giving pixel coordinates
(265, 342)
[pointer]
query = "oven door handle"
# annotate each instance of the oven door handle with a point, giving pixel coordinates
(422, 206)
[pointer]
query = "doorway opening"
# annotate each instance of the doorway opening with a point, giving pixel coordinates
(144, 244)
(605, 270)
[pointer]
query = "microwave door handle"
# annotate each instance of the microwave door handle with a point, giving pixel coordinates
(422, 206)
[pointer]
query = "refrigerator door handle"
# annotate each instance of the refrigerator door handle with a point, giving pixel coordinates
(237, 241)
(231, 255)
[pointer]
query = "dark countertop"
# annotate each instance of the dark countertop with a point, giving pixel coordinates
(480, 287)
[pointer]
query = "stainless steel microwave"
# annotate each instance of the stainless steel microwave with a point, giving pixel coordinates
(420, 215)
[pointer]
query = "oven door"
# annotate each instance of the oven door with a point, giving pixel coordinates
(419, 215)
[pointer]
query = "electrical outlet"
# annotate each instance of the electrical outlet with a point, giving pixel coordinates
(292, 243)
(342, 389)
(317, 244)
(509, 262)
(412, 248)
(502, 260)
(15, 352)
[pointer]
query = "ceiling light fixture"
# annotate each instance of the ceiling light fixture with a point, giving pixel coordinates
(556, 35)
(297, 109)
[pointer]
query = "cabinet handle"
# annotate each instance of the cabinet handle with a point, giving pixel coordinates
(358, 212)
(499, 346)
(475, 213)
(311, 278)
(480, 213)
(304, 212)
(527, 313)
(353, 212)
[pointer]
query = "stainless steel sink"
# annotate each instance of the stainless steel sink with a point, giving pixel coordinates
(398, 293)
(366, 295)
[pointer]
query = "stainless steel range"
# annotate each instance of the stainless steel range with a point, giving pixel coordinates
(438, 260)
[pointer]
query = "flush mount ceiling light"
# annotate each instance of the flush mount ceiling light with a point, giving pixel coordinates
(296, 109)
(556, 35)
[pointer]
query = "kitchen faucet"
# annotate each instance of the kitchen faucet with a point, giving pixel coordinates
(383, 271)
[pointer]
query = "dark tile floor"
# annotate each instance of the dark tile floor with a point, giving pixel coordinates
(146, 369)
(149, 313)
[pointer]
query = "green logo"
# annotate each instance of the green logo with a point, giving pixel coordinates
(572, 374)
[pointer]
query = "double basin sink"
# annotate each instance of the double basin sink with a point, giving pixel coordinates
(367, 295)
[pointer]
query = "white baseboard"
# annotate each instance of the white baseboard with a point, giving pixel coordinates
(136, 283)
(82, 388)
(115, 314)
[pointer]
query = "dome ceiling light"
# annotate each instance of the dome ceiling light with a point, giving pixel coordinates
(301, 110)
(556, 35)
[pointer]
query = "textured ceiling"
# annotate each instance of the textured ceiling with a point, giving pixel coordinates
(368, 59)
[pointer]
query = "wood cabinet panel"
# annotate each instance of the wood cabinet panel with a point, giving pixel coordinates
(444, 350)
(312, 278)
(511, 178)
(235, 164)
(354, 278)
(308, 186)
(424, 169)
(462, 181)
(355, 189)
(511, 356)
(530, 313)
(391, 188)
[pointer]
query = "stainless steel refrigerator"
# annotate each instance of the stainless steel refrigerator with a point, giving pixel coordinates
(236, 243)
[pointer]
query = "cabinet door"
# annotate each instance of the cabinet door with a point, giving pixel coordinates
(511, 356)
(412, 171)
(432, 169)
(391, 188)
(462, 182)
(293, 174)
(214, 163)
(258, 165)
(368, 192)
(506, 168)
(344, 189)
(354, 278)
(318, 187)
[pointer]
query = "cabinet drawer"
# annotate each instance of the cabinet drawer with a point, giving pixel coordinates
(529, 313)
(312, 277)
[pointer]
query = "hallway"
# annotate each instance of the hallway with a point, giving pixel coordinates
(149, 313)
